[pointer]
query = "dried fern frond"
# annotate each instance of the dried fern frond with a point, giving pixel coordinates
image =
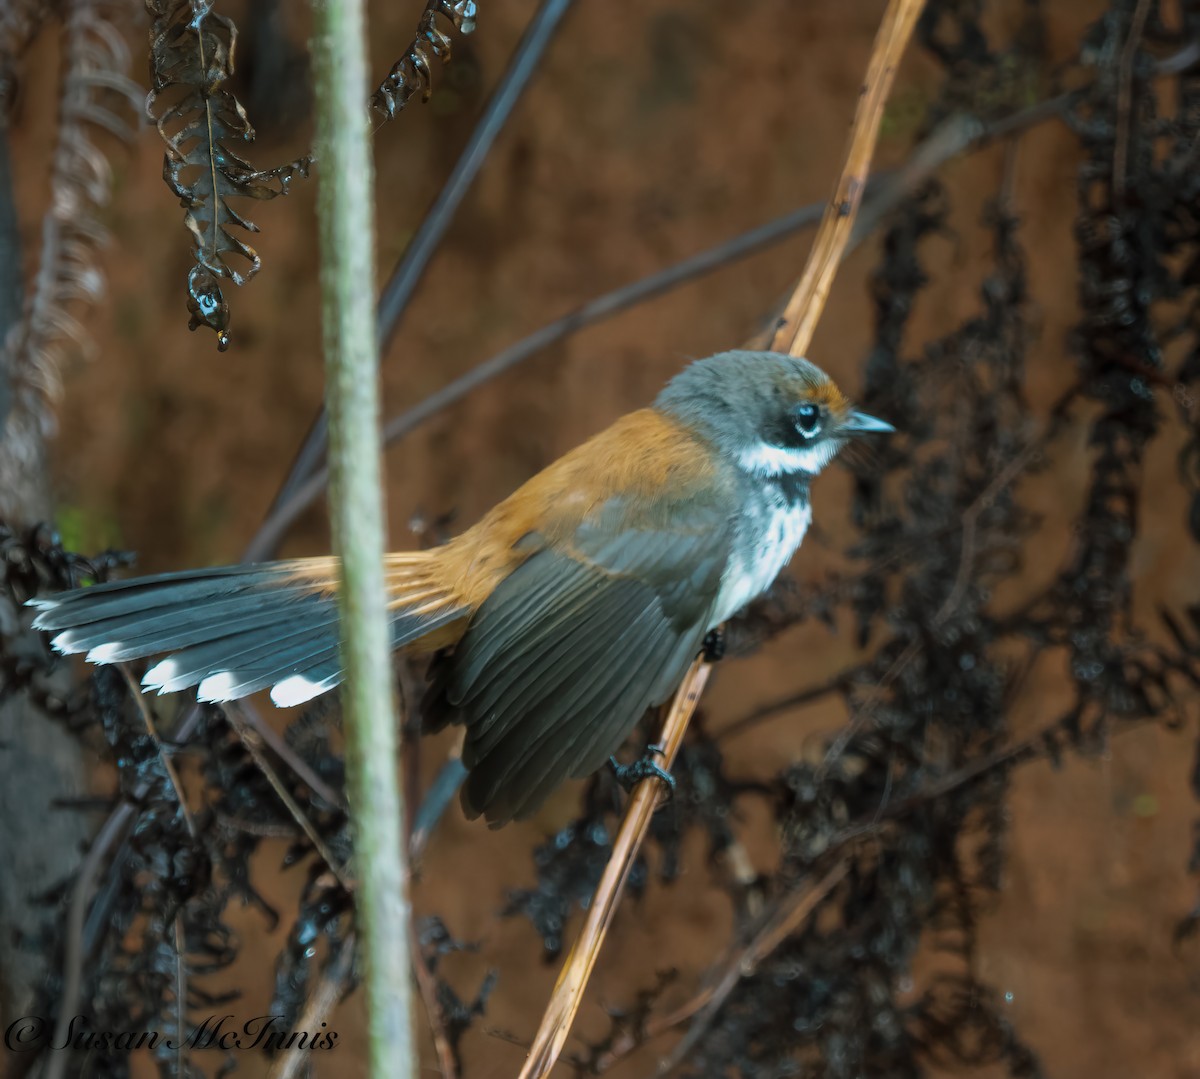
(95, 94)
(413, 71)
(191, 58)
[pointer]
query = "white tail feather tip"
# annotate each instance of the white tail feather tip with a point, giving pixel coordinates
(158, 676)
(109, 652)
(296, 689)
(220, 686)
(64, 642)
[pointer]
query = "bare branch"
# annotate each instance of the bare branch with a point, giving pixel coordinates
(800, 317)
(573, 978)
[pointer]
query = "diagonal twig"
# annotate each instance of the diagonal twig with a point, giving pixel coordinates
(254, 746)
(779, 922)
(325, 995)
(427, 987)
(168, 766)
(802, 313)
(1137, 27)
(742, 961)
(408, 272)
(837, 684)
(573, 979)
(795, 331)
(180, 996)
(301, 767)
(115, 828)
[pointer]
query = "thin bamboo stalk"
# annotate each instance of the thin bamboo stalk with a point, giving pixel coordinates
(346, 200)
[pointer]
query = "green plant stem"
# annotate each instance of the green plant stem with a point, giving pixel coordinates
(345, 213)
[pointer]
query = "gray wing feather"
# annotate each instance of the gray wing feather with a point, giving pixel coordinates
(562, 659)
(595, 741)
(512, 779)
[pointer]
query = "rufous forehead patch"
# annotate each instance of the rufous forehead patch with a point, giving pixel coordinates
(825, 393)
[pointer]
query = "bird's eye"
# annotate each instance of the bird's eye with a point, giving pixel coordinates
(808, 420)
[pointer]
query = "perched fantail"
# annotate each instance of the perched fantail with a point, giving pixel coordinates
(567, 611)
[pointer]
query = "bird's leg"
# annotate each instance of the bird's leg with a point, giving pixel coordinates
(714, 644)
(630, 775)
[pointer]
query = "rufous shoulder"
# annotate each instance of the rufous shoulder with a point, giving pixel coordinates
(643, 458)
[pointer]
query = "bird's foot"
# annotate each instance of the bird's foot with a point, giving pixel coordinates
(645, 767)
(714, 644)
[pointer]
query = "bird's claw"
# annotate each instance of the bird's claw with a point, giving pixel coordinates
(645, 767)
(714, 644)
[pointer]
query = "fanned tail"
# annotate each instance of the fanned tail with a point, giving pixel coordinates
(235, 630)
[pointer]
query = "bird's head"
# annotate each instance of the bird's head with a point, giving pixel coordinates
(770, 413)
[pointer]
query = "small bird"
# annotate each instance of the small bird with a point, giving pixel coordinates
(573, 606)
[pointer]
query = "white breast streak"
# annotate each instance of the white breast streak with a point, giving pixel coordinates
(763, 548)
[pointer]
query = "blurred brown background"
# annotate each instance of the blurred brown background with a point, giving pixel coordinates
(651, 131)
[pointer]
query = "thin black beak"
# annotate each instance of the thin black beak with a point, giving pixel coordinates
(859, 423)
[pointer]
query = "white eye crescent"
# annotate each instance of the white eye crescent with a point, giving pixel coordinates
(808, 420)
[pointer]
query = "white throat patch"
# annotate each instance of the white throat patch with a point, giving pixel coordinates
(767, 538)
(767, 460)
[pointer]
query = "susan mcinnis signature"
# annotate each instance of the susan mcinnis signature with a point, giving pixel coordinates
(264, 1032)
